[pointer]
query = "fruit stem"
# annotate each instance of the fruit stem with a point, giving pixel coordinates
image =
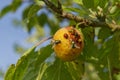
(77, 25)
(43, 40)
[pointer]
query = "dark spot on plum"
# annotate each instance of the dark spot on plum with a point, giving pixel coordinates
(66, 36)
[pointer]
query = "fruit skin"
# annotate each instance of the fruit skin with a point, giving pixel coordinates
(68, 43)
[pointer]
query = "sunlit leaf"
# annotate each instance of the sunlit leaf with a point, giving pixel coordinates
(96, 3)
(91, 72)
(28, 65)
(117, 76)
(10, 72)
(102, 3)
(77, 10)
(23, 63)
(42, 69)
(32, 71)
(78, 2)
(19, 69)
(57, 71)
(76, 69)
(115, 15)
(88, 3)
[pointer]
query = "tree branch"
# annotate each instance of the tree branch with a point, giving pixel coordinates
(84, 22)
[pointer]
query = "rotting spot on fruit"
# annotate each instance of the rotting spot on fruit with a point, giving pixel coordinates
(66, 35)
(72, 31)
(70, 43)
(76, 35)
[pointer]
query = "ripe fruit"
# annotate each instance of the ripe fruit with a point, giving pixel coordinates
(68, 43)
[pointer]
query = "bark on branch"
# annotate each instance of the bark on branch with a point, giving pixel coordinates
(84, 22)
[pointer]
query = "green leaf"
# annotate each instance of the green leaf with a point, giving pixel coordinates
(56, 71)
(90, 49)
(114, 53)
(96, 3)
(32, 71)
(78, 2)
(33, 11)
(28, 66)
(15, 4)
(117, 76)
(102, 68)
(5, 10)
(10, 72)
(76, 69)
(109, 55)
(45, 52)
(115, 15)
(88, 3)
(42, 19)
(20, 68)
(12, 7)
(104, 33)
(111, 48)
(23, 63)
(102, 3)
(77, 10)
(42, 69)
(29, 16)
(25, 12)
(30, 23)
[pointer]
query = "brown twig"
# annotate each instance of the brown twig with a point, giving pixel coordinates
(85, 22)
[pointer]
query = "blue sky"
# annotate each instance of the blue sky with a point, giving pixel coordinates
(9, 34)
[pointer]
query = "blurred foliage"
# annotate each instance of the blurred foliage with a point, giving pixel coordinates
(19, 49)
(1, 73)
(100, 59)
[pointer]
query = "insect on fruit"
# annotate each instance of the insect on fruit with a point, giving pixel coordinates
(68, 43)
